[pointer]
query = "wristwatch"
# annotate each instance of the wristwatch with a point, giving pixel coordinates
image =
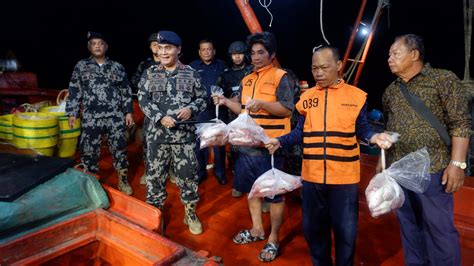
(459, 164)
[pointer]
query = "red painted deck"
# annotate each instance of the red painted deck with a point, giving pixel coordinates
(223, 216)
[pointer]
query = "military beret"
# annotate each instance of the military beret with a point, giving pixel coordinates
(153, 38)
(168, 37)
(94, 35)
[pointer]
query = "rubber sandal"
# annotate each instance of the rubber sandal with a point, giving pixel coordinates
(271, 249)
(245, 237)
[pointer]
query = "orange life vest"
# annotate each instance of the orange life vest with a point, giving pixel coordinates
(330, 147)
(262, 85)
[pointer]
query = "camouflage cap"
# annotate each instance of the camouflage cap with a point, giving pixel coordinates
(168, 37)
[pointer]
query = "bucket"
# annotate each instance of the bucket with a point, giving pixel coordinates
(52, 110)
(37, 131)
(67, 136)
(6, 128)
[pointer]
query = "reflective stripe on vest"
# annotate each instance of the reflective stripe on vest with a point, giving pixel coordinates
(330, 147)
(262, 85)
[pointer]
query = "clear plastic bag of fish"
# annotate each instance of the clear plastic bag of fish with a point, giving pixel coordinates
(274, 182)
(412, 171)
(383, 195)
(212, 134)
(244, 131)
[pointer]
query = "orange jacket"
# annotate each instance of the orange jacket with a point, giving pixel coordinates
(330, 147)
(262, 85)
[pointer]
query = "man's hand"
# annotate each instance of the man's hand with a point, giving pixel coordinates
(167, 121)
(184, 114)
(219, 99)
(272, 145)
(453, 178)
(71, 121)
(255, 105)
(129, 120)
(383, 140)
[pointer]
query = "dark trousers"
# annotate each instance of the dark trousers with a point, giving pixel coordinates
(327, 207)
(427, 228)
(219, 162)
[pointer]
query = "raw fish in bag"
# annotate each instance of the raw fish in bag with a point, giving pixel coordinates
(274, 182)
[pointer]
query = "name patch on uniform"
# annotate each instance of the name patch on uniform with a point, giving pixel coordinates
(348, 106)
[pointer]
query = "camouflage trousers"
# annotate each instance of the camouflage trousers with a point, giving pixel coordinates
(146, 121)
(91, 138)
(181, 158)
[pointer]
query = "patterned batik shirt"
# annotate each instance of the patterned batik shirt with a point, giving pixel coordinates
(443, 94)
(101, 90)
(163, 93)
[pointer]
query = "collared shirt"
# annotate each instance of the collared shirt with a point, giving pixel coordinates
(163, 93)
(101, 90)
(443, 94)
(211, 73)
(210, 76)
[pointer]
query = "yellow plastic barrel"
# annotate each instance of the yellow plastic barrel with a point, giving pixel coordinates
(67, 136)
(6, 128)
(37, 131)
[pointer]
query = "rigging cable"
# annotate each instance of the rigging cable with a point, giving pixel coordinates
(350, 71)
(264, 4)
(321, 22)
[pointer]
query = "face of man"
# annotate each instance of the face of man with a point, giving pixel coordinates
(260, 56)
(97, 47)
(154, 49)
(168, 54)
(206, 52)
(325, 68)
(401, 59)
(238, 59)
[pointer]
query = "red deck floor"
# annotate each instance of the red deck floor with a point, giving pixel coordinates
(223, 216)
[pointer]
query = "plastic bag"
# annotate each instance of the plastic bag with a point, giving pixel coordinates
(243, 131)
(62, 107)
(212, 134)
(274, 182)
(216, 90)
(412, 171)
(383, 195)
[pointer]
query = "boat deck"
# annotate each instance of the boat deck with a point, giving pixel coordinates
(378, 241)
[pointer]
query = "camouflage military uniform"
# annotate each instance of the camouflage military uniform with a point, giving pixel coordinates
(140, 70)
(162, 93)
(104, 94)
(135, 80)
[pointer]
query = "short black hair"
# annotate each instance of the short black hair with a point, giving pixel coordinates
(267, 39)
(205, 40)
(413, 42)
(335, 52)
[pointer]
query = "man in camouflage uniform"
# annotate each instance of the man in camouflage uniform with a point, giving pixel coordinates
(150, 61)
(100, 86)
(170, 93)
(155, 60)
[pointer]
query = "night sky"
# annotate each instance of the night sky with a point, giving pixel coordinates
(49, 37)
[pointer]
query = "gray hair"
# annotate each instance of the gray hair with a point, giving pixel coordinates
(413, 42)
